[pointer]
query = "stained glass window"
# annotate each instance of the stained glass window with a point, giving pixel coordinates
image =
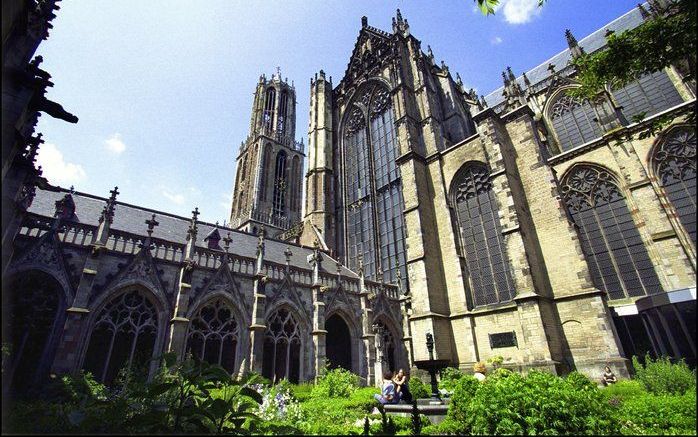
(674, 162)
(374, 220)
(573, 121)
(487, 264)
(617, 257)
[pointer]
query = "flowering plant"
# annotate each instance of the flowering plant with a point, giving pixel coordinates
(278, 403)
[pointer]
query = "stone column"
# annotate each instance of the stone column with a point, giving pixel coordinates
(257, 325)
(75, 330)
(180, 322)
(367, 335)
(319, 332)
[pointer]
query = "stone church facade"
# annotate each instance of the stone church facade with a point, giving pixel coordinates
(524, 224)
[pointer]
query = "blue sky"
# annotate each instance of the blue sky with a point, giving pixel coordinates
(163, 89)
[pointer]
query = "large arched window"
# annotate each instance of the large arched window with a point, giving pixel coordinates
(280, 184)
(266, 163)
(648, 95)
(572, 120)
(674, 164)
(123, 336)
(214, 335)
(617, 257)
(374, 219)
(486, 261)
(282, 347)
(30, 328)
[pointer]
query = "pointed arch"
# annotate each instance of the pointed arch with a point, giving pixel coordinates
(672, 163)
(374, 226)
(350, 341)
(571, 120)
(35, 303)
(616, 255)
(483, 249)
(215, 333)
(269, 106)
(126, 330)
(284, 336)
(280, 184)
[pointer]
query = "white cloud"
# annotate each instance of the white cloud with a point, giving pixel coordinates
(496, 40)
(55, 169)
(174, 197)
(114, 144)
(518, 11)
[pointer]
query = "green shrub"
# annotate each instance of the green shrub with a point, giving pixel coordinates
(449, 378)
(337, 415)
(661, 376)
(418, 389)
(580, 381)
(462, 394)
(624, 389)
(539, 403)
(648, 414)
(336, 383)
(302, 391)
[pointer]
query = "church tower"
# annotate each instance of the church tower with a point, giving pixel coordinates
(270, 162)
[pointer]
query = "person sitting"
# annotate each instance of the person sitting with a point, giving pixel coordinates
(401, 386)
(480, 371)
(608, 377)
(388, 394)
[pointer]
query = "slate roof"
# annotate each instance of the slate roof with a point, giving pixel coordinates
(590, 44)
(130, 218)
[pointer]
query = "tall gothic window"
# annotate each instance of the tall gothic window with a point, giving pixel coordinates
(214, 335)
(282, 347)
(674, 164)
(266, 163)
(617, 257)
(281, 116)
(649, 94)
(280, 184)
(268, 115)
(486, 261)
(29, 327)
(123, 336)
(374, 219)
(573, 122)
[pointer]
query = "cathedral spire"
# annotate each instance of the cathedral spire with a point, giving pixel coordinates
(575, 50)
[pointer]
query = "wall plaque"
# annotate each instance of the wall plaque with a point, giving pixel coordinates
(503, 339)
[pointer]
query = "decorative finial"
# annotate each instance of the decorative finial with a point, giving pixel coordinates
(571, 40)
(72, 190)
(152, 223)
(511, 74)
(526, 81)
(399, 16)
(643, 12)
(483, 102)
(459, 81)
(195, 214)
(551, 68)
(364, 21)
(429, 52)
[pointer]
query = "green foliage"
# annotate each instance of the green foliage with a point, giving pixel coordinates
(418, 389)
(303, 391)
(462, 394)
(580, 381)
(539, 403)
(449, 378)
(623, 389)
(337, 415)
(663, 377)
(656, 43)
(336, 383)
(496, 361)
(649, 414)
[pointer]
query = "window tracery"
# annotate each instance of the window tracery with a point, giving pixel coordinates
(374, 221)
(674, 162)
(282, 345)
(486, 260)
(214, 335)
(572, 120)
(617, 257)
(123, 335)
